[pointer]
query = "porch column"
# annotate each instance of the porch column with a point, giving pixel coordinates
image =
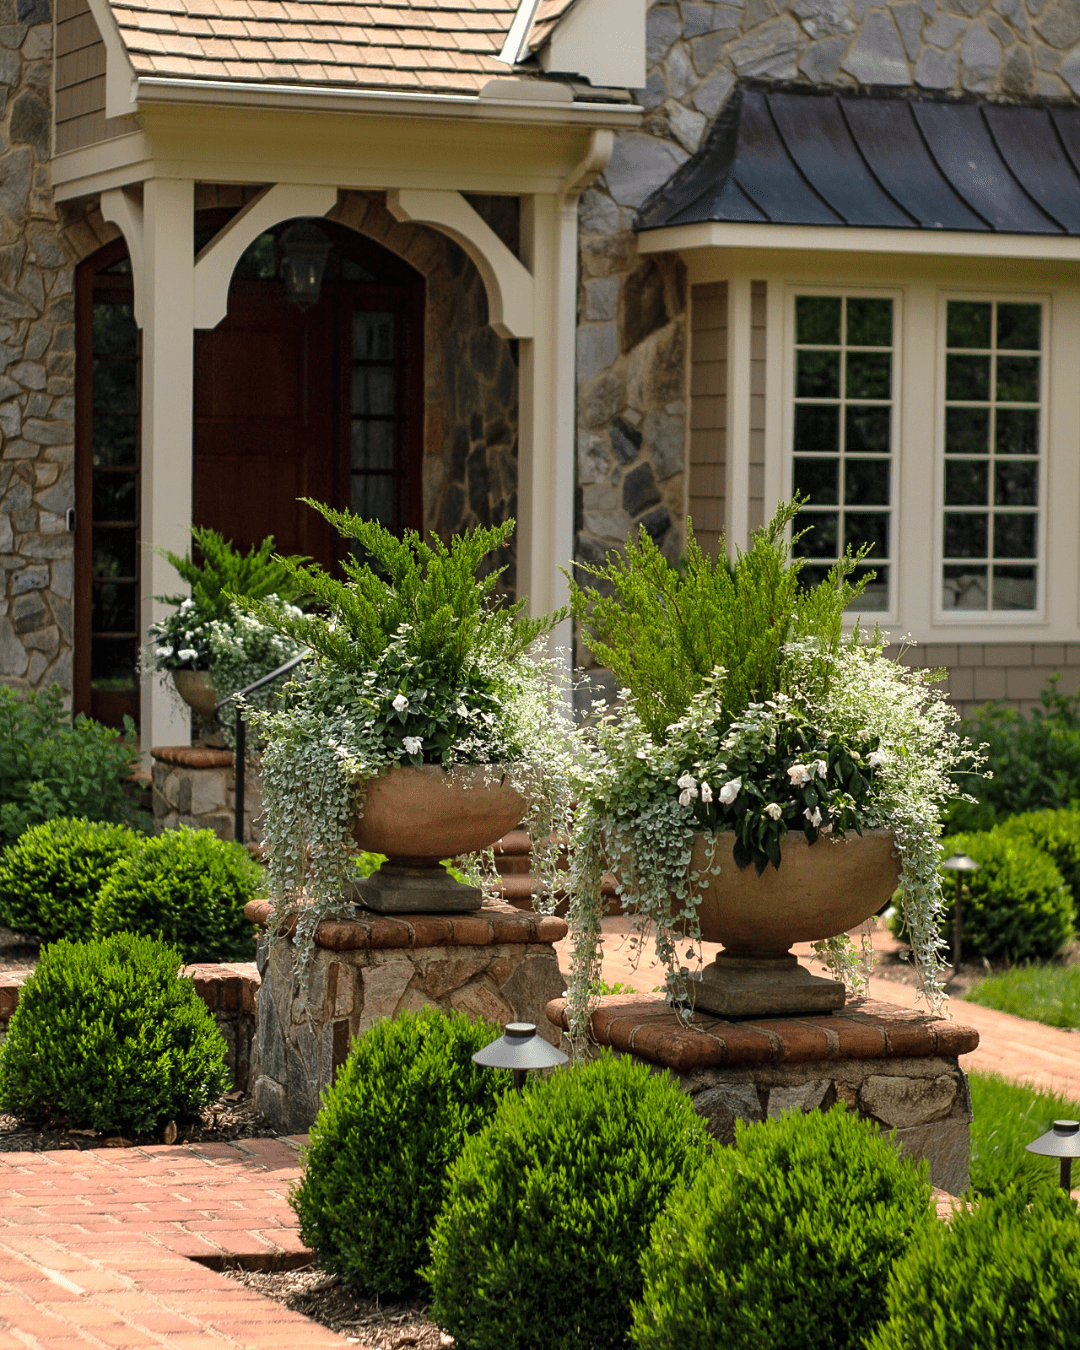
(546, 412)
(167, 313)
(737, 488)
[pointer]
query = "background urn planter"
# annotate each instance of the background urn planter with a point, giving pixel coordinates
(819, 890)
(197, 690)
(417, 817)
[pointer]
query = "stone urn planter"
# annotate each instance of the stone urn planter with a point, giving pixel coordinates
(417, 817)
(819, 890)
(197, 690)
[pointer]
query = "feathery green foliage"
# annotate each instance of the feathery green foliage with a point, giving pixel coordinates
(430, 589)
(108, 1037)
(226, 573)
(664, 631)
(1005, 1273)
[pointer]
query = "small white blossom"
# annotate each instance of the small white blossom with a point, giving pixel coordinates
(163, 651)
(820, 767)
(826, 829)
(878, 758)
(400, 703)
(462, 711)
(412, 745)
(774, 811)
(686, 781)
(185, 605)
(706, 793)
(799, 774)
(730, 791)
(814, 816)
(686, 797)
(187, 654)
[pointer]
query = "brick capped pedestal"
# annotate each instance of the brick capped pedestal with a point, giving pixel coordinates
(892, 1065)
(497, 963)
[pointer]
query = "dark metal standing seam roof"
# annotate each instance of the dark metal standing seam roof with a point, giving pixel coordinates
(786, 157)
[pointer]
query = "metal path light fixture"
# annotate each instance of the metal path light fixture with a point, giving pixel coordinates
(304, 251)
(1061, 1142)
(958, 863)
(519, 1048)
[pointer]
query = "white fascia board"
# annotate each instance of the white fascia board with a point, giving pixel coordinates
(319, 98)
(602, 40)
(851, 239)
(518, 35)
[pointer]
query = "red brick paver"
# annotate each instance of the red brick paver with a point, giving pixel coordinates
(117, 1248)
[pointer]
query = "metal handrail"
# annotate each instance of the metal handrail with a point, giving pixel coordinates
(240, 753)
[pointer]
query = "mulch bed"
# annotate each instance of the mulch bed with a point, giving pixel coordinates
(323, 1298)
(231, 1117)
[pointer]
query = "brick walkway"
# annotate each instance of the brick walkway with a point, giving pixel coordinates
(117, 1248)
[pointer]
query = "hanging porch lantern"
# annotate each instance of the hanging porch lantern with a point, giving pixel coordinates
(304, 251)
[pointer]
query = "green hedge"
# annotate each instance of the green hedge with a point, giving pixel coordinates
(395, 1119)
(50, 878)
(106, 1037)
(785, 1241)
(1055, 833)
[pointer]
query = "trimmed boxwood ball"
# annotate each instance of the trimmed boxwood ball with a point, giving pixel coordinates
(785, 1240)
(1016, 906)
(397, 1115)
(1005, 1274)
(188, 887)
(50, 877)
(550, 1207)
(1055, 833)
(107, 1038)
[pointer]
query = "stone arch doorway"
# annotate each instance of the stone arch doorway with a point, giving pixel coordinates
(324, 402)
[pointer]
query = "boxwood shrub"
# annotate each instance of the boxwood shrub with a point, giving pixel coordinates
(1017, 905)
(188, 887)
(550, 1207)
(51, 876)
(398, 1114)
(786, 1240)
(1057, 834)
(106, 1037)
(1004, 1274)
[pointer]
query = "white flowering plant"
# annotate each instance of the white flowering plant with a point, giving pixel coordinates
(811, 731)
(415, 659)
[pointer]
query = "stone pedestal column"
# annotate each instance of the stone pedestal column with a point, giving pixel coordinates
(497, 963)
(891, 1065)
(196, 786)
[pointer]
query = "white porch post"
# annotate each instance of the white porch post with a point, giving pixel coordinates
(737, 488)
(546, 409)
(167, 313)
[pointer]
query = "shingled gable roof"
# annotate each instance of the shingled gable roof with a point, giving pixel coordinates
(428, 46)
(548, 13)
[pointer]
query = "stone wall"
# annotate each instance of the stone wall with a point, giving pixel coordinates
(196, 787)
(37, 366)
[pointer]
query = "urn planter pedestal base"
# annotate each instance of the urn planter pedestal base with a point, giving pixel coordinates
(414, 890)
(746, 986)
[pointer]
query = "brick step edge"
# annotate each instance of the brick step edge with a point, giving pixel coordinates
(230, 987)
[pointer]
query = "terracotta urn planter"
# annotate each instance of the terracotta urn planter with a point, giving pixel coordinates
(197, 690)
(818, 891)
(417, 817)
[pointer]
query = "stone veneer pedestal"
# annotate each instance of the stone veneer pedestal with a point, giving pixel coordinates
(195, 785)
(891, 1065)
(497, 963)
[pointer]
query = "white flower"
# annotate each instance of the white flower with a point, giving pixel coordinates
(820, 767)
(163, 651)
(462, 711)
(774, 811)
(799, 774)
(814, 816)
(706, 793)
(730, 791)
(185, 605)
(400, 704)
(686, 797)
(687, 781)
(412, 745)
(827, 829)
(187, 654)
(878, 758)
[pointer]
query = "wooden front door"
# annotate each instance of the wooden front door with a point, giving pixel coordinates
(325, 403)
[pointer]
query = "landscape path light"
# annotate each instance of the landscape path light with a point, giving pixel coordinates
(1061, 1142)
(958, 863)
(520, 1049)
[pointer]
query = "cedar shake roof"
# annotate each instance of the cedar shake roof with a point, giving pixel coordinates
(427, 46)
(548, 13)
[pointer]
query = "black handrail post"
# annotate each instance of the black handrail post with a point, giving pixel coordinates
(239, 756)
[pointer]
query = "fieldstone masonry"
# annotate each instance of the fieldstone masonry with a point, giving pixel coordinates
(498, 964)
(196, 787)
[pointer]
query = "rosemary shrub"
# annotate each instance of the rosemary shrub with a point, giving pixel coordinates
(414, 660)
(807, 730)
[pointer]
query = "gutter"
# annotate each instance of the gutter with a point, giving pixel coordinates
(316, 98)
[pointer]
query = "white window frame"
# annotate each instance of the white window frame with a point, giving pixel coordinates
(991, 618)
(896, 295)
